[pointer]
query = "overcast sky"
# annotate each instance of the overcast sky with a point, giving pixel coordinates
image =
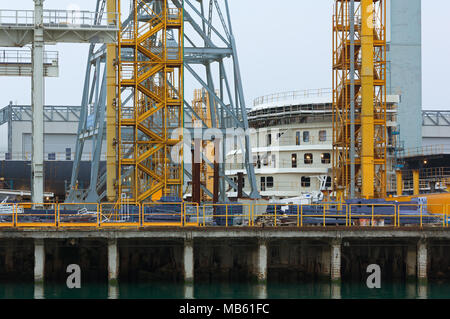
(283, 45)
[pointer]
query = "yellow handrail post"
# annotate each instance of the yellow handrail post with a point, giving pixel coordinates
(301, 216)
(203, 210)
(373, 220)
(226, 215)
(323, 215)
(350, 217)
(275, 223)
(421, 211)
(98, 215)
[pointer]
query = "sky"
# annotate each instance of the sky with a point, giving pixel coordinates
(282, 45)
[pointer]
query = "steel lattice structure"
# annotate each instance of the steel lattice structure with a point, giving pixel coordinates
(370, 133)
(152, 73)
(145, 101)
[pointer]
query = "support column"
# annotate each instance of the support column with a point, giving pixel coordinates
(111, 135)
(113, 291)
(335, 290)
(422, 260)
(367, 94)
(188, 291)
(37, 163)
(261, 262)
(9, 258)
(399, 182)
(411, 262)
(422, 290)
(113, 261)
(189, 261)
(326, 262)
(336, 260)
(39, 261)
(416, 182)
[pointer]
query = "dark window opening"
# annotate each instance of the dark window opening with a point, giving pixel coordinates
(297, 138)
(68, 154)
(306, 136)
(322, 136)
(269, 182)
(326, 158)
(308, 158)
(294, 160)
(328, 182)
(306, 181)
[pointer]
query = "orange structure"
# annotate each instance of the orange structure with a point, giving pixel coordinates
(370, 133)
(150, 102)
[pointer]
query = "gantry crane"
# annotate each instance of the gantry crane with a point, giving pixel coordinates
(359, 99)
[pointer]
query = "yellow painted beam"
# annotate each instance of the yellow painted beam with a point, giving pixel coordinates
(367, 89)
(111, 158)
(416, 182)
(399, 183)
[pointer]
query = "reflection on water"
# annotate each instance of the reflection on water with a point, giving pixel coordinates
(322, 290)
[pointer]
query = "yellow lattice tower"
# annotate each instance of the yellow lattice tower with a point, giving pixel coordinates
(370, 98)
(150, 71)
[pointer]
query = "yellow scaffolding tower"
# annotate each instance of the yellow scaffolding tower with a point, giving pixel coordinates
(369, 99)
(150, 103)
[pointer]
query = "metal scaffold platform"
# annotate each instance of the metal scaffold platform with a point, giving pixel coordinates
(359, 99)
(19, 63)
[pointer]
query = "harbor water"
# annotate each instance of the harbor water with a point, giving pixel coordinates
(165, 290)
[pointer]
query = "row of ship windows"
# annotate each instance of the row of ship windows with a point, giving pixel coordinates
(308, 159)
(50, 156)
(305, 137)
(267, 182)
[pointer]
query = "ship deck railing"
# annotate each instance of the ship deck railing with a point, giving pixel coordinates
(228, 215)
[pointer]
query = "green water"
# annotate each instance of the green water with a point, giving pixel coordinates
(227, 291)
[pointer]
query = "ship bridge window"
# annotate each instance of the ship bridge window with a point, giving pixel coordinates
(294, 160)
(51, 156)
(308, 158)
(306, 136)
(326, 158)
(297, 138)
(68, 154)
(269, 182)
(328, 182)
(306, 181)
(322, 136)
(266, 182)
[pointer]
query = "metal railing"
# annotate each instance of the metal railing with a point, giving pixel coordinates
(60, 19)
(184, 214)
(425, 150)
(292, 95)
(24, 57)
(49, 156)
